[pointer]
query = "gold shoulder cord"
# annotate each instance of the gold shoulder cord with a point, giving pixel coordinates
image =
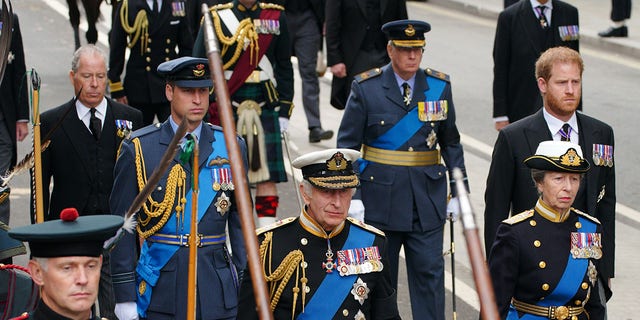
(245, 36)
(140, 27)
(153, 209)
(279, 278)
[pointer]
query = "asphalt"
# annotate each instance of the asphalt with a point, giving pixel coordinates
(594, 17)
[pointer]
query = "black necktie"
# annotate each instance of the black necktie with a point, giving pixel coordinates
(95, 124)
(407, 93)
(565, 132)
(543, 19)
(155, 6)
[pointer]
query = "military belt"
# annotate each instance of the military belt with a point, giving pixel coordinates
(401, 158)
(256, 76)
(183, 239)
(554, 312)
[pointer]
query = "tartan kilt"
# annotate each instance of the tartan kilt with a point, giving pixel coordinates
(271, 127)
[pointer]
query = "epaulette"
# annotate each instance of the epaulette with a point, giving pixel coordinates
(222, 6)
(586, 215)
(214, 127)
(271, 6)
(522, 216)
(275, 225)
(365, 226)
(146, 130)
(437, 74)
(368, 74)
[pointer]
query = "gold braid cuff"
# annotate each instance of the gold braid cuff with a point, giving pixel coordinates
(176, 184)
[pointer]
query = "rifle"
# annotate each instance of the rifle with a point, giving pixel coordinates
(242, 194)
(481, 276)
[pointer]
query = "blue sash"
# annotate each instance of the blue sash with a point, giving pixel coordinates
(155, 257)
(334, 289)
(569, 282)
(407, 127)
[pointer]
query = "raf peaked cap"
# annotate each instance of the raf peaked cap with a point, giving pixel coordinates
(558, 156)
(187, 72)
(69, 236)
(329, 169)
(406, 33)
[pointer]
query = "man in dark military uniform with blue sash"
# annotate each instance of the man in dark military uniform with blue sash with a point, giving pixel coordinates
(403, 118)
(155, 286)
(66, 262)
(545, 262)
(322, 264)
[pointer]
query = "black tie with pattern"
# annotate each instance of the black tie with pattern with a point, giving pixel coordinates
(407, 93)
(95, 124)
(565, 132)
(543, 19)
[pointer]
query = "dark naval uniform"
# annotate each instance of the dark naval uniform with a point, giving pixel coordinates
(306, 289)
(259, 78)
(43, 312)
(539, 266)
(157, 281)
(153, 38)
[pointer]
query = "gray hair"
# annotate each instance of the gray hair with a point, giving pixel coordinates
(88, 49)
(43, 262)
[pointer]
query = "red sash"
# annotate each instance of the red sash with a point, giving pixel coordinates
(245, 66)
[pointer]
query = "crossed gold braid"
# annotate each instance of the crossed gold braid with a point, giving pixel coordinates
(140, 27)
(245, 32)
(279, 278)
(176, 184)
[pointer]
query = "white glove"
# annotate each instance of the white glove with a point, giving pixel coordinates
(356, 209)
(284, 124)
(127, 311)
(453, 207)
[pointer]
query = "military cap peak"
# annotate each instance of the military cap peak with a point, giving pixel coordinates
(406, 33)
(329, 169)
(187, 72)
(558, 156)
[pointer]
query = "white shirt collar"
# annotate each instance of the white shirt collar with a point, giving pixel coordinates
(554, 124)
(84, 114)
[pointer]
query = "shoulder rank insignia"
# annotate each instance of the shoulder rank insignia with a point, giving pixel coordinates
(586, 215)
(222, 6)
(271, 6)
(275, 225)
(145, 131)
(437, 74)
(372, 73)
(366, 226)
(519, 217)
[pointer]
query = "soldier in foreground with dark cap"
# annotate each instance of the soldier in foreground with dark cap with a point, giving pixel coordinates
(155, 286)
(403, 118)
(66, 260)
(545, 261)
(322, 264)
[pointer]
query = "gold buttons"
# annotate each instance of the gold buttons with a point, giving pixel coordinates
(545, 287)
(382, 122)
(159, 188)
(537, 243)
(439, 173)
(148, 68)
(167, 50)
(584, 286)
(371, 178)
(578, 225)
(148, 59)
(433, 124)
(166, 59)
(574, 317)
(410, 148)
(168, 41)
(307, 289)
(304, 241)
(542, 264)
(148, 40)
(578, 302)
(532, 223)
(303, 264)
(345, 312)
(148, 49)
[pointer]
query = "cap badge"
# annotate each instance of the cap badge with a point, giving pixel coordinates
(410, 31)
(570, 158)
(199, 70)
(337, 162)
